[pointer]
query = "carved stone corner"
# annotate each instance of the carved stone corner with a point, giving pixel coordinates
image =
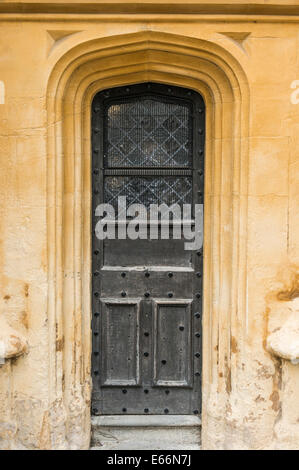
(284, 341)
(12, 343)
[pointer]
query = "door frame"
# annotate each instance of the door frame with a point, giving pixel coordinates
(76, 75)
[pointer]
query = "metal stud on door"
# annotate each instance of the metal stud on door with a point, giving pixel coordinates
(148, 145)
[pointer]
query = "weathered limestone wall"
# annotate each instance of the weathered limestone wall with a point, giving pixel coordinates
(251, 369)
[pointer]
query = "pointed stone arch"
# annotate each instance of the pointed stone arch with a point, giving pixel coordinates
(76, 77)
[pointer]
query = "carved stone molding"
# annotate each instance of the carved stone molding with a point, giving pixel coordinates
(191, 7)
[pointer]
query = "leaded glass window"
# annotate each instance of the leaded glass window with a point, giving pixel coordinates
(147, 146)
(148, 133)
(149, 190)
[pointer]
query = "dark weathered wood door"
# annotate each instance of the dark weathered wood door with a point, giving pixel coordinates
(147, 145)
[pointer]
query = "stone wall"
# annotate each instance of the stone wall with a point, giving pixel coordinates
(53, 59)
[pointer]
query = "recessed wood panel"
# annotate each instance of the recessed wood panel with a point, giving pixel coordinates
(120, 341)
(172, 344)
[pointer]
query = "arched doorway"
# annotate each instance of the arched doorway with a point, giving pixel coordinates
(97, 64)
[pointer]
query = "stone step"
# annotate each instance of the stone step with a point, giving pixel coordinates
(152, 432)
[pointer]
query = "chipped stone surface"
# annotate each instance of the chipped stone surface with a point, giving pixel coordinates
(13, 344)
(284, 342)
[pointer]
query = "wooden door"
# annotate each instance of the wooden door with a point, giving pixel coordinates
(147, 145)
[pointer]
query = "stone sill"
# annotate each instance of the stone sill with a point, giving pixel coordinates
(146, 421)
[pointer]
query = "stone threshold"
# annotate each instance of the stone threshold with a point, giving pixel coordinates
(146, 432)
(146, 420)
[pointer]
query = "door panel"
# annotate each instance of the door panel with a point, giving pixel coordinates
(172, 344)
(120, 343)
(148, 145)
(146, 253)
